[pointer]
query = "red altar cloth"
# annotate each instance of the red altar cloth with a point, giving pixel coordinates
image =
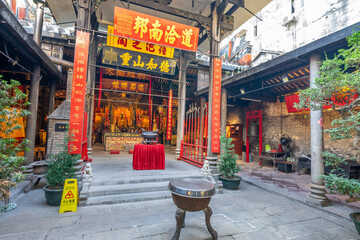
(149, 157)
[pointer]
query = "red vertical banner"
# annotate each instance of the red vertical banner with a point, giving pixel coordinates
(100, 87)
(78, 91)
(216, 102)
(169, 116)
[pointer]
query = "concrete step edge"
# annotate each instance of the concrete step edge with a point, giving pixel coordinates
(127, 188)
(126, 198)
(140, 179)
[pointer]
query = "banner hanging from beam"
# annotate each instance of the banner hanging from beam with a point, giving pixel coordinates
(216, 102)
(140, 61)
(137, 46)
(169, 117)
(147, 28)
(78, 92)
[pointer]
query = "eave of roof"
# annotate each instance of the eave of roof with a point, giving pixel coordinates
(23, 40)
(291, 59)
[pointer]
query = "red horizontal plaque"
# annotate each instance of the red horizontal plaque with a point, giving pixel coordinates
(147, 28)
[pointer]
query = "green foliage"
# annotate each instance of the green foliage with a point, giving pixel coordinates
(12, 104)
(339, 82)
(62, 167)
(344, 186)
(227, 164)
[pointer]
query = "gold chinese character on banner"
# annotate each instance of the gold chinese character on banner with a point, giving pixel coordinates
(155, 32)
(109, 72)
(138, 63)
(141, 87)
(116, 84)
(73, 148)
(151, 65)
(164, 67)
(126, 58)
(171, 34)
(120, 73)
(140, 25)
(130, 74)
(133, 86)
(141, 76)
(186, 37)
(124, 85)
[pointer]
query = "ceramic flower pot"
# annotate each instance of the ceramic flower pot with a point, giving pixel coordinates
(232, 183)
(355, 216)
(53, 196)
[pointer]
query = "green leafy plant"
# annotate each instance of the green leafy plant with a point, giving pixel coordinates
(338, 85)
(61, 167)
(12, 107)
(227, 164)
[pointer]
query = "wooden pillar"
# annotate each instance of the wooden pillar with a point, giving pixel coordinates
(181, 101)
(33, 108)
(52, 96)
(212, 158)
(34, 87)
(223, 112)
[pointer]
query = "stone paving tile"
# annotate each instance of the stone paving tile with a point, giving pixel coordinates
(129, 233)
(300, 228)
(343, 235)
(269, 233)
(318, 236)
(233, 228)
(33, 235)
(78, 230)
(38, 225)
(157, 229)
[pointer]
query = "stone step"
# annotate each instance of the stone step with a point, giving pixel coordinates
(129, 197)
(105, 190)
(139, 179)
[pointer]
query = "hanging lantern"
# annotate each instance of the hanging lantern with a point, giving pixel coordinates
(161, 109)
(253, 129)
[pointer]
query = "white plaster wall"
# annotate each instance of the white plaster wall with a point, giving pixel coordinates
(315, 19)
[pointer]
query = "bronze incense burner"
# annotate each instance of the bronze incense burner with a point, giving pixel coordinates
(190, 194)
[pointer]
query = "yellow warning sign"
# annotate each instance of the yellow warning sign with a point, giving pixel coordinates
(70, 196)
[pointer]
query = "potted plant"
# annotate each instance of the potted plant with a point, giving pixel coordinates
(338, 85)
(62, 166)
(227, 164)
(12, 110)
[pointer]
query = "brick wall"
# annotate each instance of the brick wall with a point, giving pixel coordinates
(277, 121)
(56, 139)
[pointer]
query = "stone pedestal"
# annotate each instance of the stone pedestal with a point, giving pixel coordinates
(317, 196)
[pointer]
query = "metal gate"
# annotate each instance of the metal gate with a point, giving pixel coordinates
(194, 145)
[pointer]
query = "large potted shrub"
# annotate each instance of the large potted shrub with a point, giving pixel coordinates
(227, 164)
(338, 85)
(62, 166)
(12, 110)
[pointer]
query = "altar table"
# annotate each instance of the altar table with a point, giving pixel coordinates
(149, 157)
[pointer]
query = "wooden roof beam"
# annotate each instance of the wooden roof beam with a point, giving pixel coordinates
(177, 12)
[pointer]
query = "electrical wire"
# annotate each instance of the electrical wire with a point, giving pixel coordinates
(106, 34)
(21, 66)
(129, 92)
(148, 75)
(154, 104)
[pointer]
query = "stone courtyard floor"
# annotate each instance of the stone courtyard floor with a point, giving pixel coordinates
(248, 213)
